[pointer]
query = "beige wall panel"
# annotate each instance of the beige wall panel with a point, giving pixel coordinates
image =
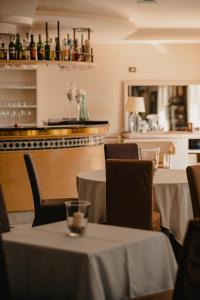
(57, 170)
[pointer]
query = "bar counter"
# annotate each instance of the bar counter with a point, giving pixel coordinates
(59, 152)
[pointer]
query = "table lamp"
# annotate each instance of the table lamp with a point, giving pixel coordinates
(135, 105)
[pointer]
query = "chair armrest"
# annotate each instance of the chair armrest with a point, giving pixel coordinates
(51, 202)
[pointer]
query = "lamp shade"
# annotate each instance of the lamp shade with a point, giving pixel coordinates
(135, 104)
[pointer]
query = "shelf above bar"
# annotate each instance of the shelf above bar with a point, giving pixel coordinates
(32, 64)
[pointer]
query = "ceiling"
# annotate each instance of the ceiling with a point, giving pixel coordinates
(109, 20)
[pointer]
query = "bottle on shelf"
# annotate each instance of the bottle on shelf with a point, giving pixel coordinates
(57, 49)
(18, 47)
(71, 49)
(52, 47)
(11, 49)
(57, 41)
(27, 45)
(3, 52)
(82, 50)
(40, 49)
(32, 48)
(65, 51)
(47, 44)
(24, 52)
(92, 56)
(76, 51)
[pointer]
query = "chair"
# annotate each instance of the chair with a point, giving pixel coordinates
(187, 285)
(46, 210)
(4, 222)
(4, 283)
(129, 185)
(193, 176)
(121, 151)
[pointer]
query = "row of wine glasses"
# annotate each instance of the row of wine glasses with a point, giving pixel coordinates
(19, 116)
(77, 95)
(15, 84)
(15, 103)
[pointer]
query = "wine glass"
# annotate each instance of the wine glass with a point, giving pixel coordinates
(71, 92)
(78, 98)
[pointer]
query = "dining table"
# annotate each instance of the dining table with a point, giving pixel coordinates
(108, 262)
(171, 197)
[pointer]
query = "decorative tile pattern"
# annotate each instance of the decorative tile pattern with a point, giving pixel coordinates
(53, 143)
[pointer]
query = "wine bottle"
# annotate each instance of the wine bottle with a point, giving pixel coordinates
(24, 52)
(57, 40)
(76, 50)
(18, 47)
(32, 48)
(47, 44)
(57, 49)
(3, 52)
(82, 50)
(12, 53)
(40, 49)
(65, 52)
(52, 47)
(92, 56)
(27, 45)
(87, 47)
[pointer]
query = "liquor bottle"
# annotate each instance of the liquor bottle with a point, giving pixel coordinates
(32, 48)
(3, 52)
(47, 45)
(76, 50)
(71, 49)
(27, 45)
(57, 49)
(24, 52)
(92, 56)
(52, 47)
(40, 49)
(18, 47)
(87, 47)
(82, 50)
(57, 41)
(12, 53)
(65, 51)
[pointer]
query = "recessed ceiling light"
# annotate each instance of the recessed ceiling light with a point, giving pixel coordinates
(146, 1)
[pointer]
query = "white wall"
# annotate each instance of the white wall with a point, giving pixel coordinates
(104, 85)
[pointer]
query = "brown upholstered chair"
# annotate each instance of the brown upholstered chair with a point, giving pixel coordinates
(129, 186)
(4, 222)
(193, 176)
(46, 210)
(4, 283)
(121, 151)
(187, 286)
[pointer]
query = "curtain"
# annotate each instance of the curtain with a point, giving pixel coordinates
(164, 93)
(193, 104)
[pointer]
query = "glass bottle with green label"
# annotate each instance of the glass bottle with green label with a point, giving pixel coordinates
(18, 47)
(40, 49)
(11, 50)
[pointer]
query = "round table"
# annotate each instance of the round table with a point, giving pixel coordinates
(171, 195)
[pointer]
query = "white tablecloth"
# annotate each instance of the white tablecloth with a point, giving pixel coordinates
(171, 192)
(108, 263)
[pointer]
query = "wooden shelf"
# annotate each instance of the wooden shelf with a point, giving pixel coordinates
(32, 64)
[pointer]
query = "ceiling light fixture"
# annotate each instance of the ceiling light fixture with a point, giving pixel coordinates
(147, 1)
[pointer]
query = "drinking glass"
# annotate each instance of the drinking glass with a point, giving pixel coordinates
(77, 217)
(79, 99)
(150, 154)
(71, 92)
